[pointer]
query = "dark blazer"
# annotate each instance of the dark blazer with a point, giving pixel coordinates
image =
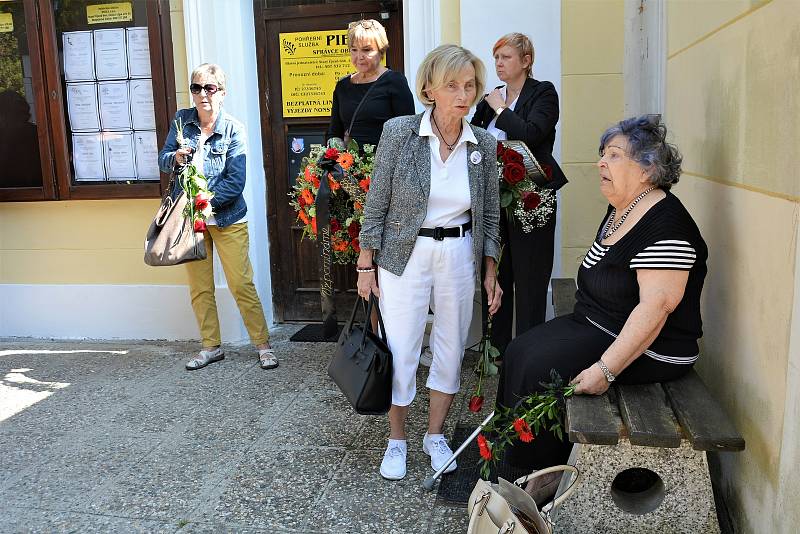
(532, 121)
(397, 200)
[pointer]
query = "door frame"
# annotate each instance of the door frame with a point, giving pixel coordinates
(280, 257)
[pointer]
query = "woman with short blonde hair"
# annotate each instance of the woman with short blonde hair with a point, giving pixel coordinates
(430, 222)
(365, 100)
(524, 109)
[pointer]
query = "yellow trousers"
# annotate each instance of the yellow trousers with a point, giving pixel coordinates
(233, 245)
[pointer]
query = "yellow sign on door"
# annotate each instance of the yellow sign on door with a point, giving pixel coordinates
(311, 64)
(6, 23)
(105, 13)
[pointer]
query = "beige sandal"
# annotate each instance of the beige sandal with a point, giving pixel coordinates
(267, 359)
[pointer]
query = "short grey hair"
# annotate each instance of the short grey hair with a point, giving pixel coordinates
(647, 146)
(441, 65)
(211, 69)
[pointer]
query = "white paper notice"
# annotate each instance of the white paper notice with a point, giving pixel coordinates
(78, 51)
(110, 58)
(142, 110)
(138, 53)
(82, 107)
(115, 110)
(118, 155)
(146, 148)
(87, 156)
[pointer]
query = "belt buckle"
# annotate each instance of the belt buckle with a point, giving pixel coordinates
(438, 233)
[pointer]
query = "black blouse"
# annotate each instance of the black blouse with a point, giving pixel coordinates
(390, 98)
(666, 237)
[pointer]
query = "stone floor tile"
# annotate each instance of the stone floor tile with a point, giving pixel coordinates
(358, 499)
(48, 521)
(274, 489)
(448, 519)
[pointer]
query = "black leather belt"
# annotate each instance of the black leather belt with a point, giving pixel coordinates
(440, 232)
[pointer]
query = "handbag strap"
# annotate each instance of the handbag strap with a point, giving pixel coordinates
(554, 469)
(363, 99)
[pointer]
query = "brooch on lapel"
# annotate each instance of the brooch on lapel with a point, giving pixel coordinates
(475, 157)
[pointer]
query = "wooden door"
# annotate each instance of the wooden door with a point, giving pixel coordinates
(294, 263)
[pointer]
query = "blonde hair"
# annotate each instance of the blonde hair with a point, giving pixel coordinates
(368, 31)
(211, 69)
(521, 42)
(441, 65)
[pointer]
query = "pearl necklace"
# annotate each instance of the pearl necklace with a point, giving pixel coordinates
(608, 229)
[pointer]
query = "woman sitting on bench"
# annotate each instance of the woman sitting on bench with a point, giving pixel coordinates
(637, 315)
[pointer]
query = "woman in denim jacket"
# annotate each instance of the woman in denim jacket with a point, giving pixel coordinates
(219, 142)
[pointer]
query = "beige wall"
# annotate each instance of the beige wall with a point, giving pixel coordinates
(732, 106)
(87, 242)
(592, 98)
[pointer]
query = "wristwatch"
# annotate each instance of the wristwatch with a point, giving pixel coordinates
(499, 110)
(606, 371)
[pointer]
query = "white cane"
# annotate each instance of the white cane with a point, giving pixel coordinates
(429, 482)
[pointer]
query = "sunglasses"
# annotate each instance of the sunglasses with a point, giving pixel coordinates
(366, 24)
(210, 88)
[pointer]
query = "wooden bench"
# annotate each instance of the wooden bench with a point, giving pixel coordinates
(641, 452)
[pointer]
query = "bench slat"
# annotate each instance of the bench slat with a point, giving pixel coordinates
(563, 295)
(590, 419)
(648, 416)
(702, 418)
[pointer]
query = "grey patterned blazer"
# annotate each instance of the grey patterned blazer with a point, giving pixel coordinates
(397, 201)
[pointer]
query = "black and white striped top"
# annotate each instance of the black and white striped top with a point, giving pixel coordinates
(666, 237)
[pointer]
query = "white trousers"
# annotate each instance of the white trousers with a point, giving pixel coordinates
(444, 269)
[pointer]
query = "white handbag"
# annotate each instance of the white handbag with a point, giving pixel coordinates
(506, 508)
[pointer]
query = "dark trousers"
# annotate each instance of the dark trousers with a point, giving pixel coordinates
(569, 344)
(524, 277)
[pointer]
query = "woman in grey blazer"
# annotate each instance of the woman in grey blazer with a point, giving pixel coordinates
(430, 221)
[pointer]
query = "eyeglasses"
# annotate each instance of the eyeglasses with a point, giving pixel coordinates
(366, 24)
(210, 88)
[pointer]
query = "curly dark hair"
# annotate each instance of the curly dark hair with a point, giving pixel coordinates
(648, 146)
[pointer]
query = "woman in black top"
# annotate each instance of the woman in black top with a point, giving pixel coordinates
(389, 95)
(524, 110)
(637, 317)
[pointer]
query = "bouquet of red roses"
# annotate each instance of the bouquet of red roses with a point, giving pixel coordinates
(538, 411)
(524, 201)
(347, 196)
(194, 183)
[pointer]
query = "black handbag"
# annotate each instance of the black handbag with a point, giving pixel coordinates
(362, 365)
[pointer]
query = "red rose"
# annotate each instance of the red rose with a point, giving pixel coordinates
(353, 230)
(531, 201)
(513, 173)
(332, 153)
(548, 171)
(501, 150)
(523, 430)
(335, 225)
(201, 201)
(512, 156)
(484, 447)
(356, 245)
(476, 403)
(199, 225)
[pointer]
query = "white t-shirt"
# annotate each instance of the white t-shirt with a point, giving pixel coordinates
(500, 135)
(449, 202)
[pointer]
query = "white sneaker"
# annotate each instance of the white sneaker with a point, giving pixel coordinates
(437, 448)
(426, 358)
(393, 466)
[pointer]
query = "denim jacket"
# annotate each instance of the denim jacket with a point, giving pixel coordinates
(225, 165)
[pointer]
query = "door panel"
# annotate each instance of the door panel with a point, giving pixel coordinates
(295, 262)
